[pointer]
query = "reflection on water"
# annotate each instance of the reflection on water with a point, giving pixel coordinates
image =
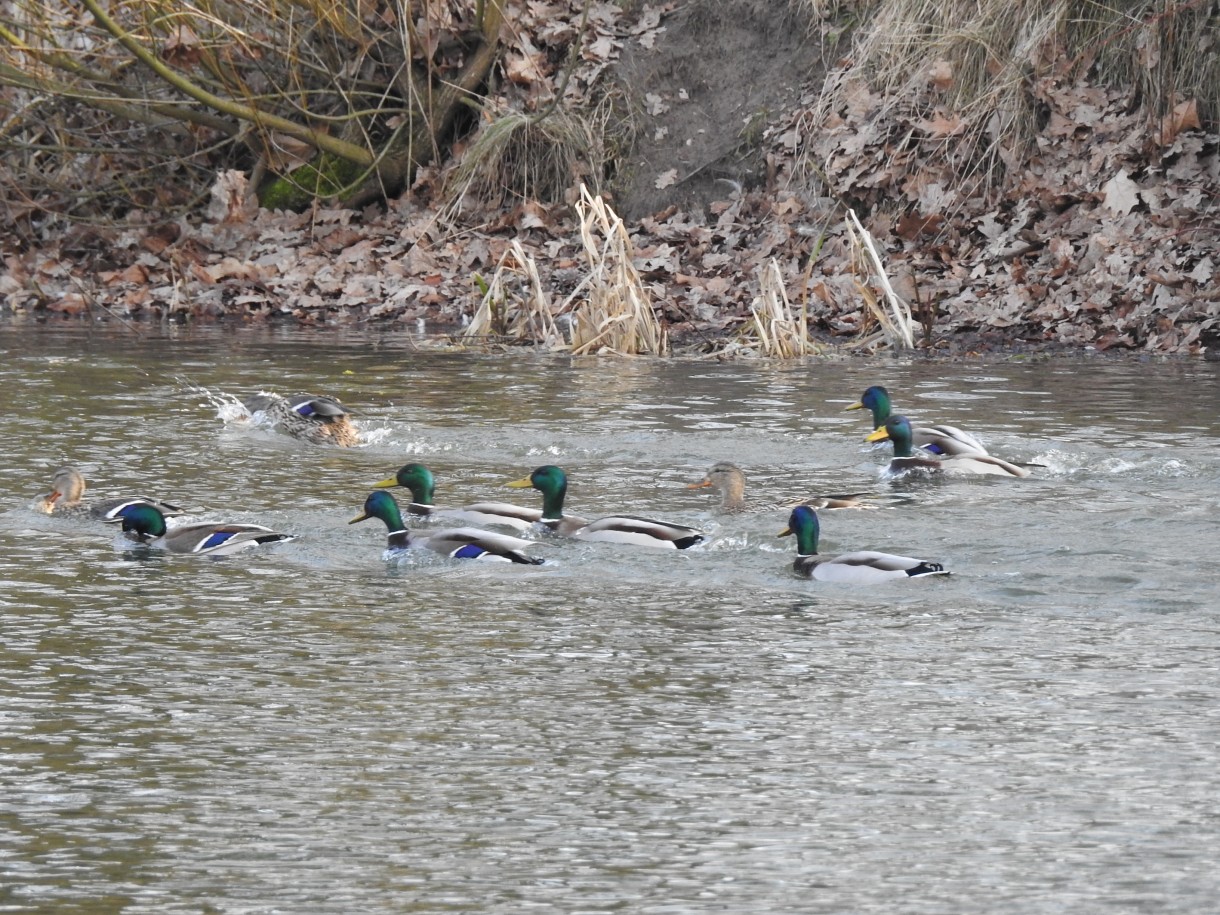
(312, 729)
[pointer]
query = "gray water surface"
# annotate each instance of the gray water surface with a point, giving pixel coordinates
(313, 729)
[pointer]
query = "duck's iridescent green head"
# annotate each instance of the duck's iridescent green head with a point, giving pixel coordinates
(552, 482)
(547, 479)
(877, 400)
(415, 477)
(381, 505)
(898, 430)
(140, 518)
(804, 523)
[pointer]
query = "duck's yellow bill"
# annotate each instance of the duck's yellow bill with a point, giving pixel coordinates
(386, 483)
(877, 435)
(523, 483)
(363, 516)
(785, 532)
(856, 406)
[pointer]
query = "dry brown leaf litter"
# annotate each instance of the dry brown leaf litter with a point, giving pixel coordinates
(1105, 235)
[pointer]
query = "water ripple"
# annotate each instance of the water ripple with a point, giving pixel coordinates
(312, 728)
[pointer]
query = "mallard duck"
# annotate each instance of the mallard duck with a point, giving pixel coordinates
(553, 484)
(456, 542)
(898, 430)
(67, 497)
(940, 439)
(145, 524)
(418, 479)
(729, 481)
(862, 568)
(321, 420)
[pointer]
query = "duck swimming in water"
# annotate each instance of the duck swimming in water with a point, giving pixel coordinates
(456, 543)
(145, 525)
(419, 480)
(898, 430)
(320, 420)
(67, 498)
(863, 568)
(552, 482)
(939, 439)
(729, 482)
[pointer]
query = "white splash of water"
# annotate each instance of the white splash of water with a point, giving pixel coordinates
(419, 446)
(229, 409)
(376, 436)
(1068, 464)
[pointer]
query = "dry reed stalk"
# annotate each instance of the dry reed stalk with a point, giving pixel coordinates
(897, 321)
(514, 304)
(775, 330)
(616, 315)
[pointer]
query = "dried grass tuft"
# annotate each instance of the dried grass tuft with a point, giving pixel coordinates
(616, 315)
(514, 304)
(775, 330)
(866, 262)
(519, 156)
(980, 58)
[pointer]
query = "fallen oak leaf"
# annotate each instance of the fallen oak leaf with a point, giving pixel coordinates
(136, 273)
(1121, 194)
(940, 75)
(666, 179)
(1185, 116)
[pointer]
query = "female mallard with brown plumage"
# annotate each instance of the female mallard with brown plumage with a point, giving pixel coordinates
(898, 430)
(552, 482)
(864, 567)
(67, 498)
(729, 482)
(321, 420)
(456, 543)
(939, 439)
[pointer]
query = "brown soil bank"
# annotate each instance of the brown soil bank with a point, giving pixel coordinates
(1077, 210)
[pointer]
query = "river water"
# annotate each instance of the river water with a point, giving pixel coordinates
(313, 729)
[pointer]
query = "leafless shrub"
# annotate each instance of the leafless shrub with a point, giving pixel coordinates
(146, 95)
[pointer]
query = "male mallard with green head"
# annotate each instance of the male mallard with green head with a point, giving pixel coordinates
(939, 439)
(552, 482)
(419, 480)
(145, 525)
(864, 567)
(898, 430)
(456, 543)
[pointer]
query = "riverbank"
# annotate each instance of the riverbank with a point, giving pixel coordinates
(1096, 233)
(396, 270)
